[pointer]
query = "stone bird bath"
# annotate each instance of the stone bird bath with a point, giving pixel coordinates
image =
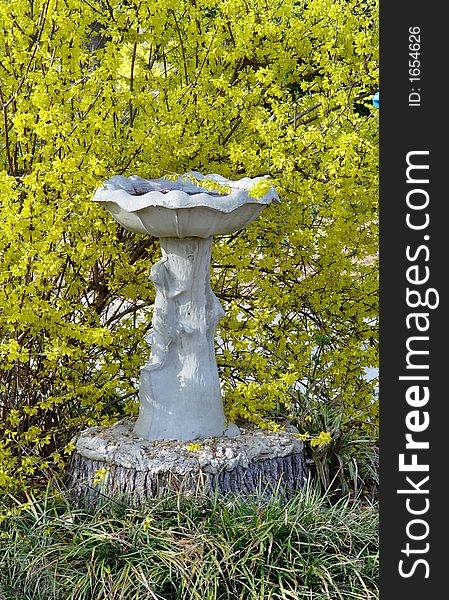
(179, 391)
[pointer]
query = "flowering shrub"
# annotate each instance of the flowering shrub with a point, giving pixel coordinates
(242, 88)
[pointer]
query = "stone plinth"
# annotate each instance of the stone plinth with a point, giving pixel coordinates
(115, 462)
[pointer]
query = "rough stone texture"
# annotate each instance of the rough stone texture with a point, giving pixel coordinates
(255, 462)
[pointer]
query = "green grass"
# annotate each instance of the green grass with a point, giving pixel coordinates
(197, 548)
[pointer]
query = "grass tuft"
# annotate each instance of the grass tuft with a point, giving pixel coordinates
(191, 548)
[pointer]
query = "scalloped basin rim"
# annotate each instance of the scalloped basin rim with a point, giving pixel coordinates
(178, 200)
(128, 193)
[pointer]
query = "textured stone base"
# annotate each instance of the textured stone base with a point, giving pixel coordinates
(114, 462)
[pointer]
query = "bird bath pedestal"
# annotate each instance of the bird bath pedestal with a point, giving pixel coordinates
(179, 392)
(180, 396)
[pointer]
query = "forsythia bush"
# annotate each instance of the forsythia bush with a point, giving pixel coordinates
(92, 88)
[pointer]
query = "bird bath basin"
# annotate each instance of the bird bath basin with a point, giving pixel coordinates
(179, 391)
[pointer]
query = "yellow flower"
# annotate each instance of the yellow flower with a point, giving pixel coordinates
(100, 475)
(146, 523)
(322, 439)
(193, 447)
